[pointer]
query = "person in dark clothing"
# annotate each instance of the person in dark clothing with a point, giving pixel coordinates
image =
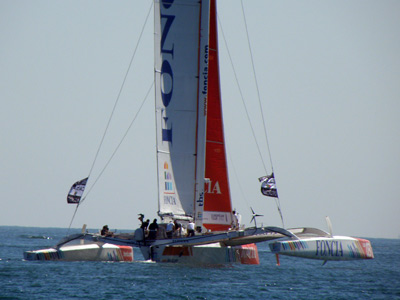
(105, 231)
(178, 229)
(141, 218)
(145, 224)
(153, 228)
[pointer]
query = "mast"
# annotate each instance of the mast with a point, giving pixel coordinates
(202, 112)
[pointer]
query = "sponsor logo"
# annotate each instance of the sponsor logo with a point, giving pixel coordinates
(167, 74)
(166, 132)
(205, 71)
(200, 201)
(204, 77)
(168, 183)
(218, 217)
(212, 188)
(328, 248)
(170, 200)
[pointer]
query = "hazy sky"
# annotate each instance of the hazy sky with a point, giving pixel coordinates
(329, 79)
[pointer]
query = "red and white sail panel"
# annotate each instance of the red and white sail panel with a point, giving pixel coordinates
(217, 201)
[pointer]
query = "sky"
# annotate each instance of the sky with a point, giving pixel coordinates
(328, 76)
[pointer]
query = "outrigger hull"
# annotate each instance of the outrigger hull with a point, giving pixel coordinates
(82, 248)
(335, 248)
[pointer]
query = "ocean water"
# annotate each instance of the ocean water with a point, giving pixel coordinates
(293, 279)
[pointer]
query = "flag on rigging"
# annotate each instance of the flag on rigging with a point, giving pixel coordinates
(268, 186)
(76, 191)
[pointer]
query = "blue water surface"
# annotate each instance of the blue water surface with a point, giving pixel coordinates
(293, 279)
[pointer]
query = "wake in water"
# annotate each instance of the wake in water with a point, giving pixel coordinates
(39, 237)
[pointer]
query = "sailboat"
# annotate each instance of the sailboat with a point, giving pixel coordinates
(193, 183)
(193, 180)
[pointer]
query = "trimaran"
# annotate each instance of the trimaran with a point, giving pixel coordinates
(193, 181)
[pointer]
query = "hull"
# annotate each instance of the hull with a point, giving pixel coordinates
(336, 248)
(211, 254)
(220, 248)
(82, 248)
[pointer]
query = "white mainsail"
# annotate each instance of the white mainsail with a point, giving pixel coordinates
(177, 40)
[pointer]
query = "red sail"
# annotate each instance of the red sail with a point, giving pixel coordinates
(217, 200)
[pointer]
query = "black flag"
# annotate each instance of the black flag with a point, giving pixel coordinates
(76, 191)
(268, 186)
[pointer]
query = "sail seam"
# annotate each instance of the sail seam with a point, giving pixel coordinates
(215, 142)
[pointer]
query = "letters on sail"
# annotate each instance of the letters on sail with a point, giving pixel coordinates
(76, 191)
(268, 186)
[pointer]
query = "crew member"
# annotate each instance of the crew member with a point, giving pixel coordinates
(190, 229)
(153, 228)
(105, 231)
(170, 229)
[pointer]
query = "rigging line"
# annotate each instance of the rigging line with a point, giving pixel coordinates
(278, 204)
(73, 217)
(113, 110)
(247, 114)
(120, 143)
(241, 94)
(258, 90)
(120, 90)
(115, 151)
(236, 176)
(277, 200)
